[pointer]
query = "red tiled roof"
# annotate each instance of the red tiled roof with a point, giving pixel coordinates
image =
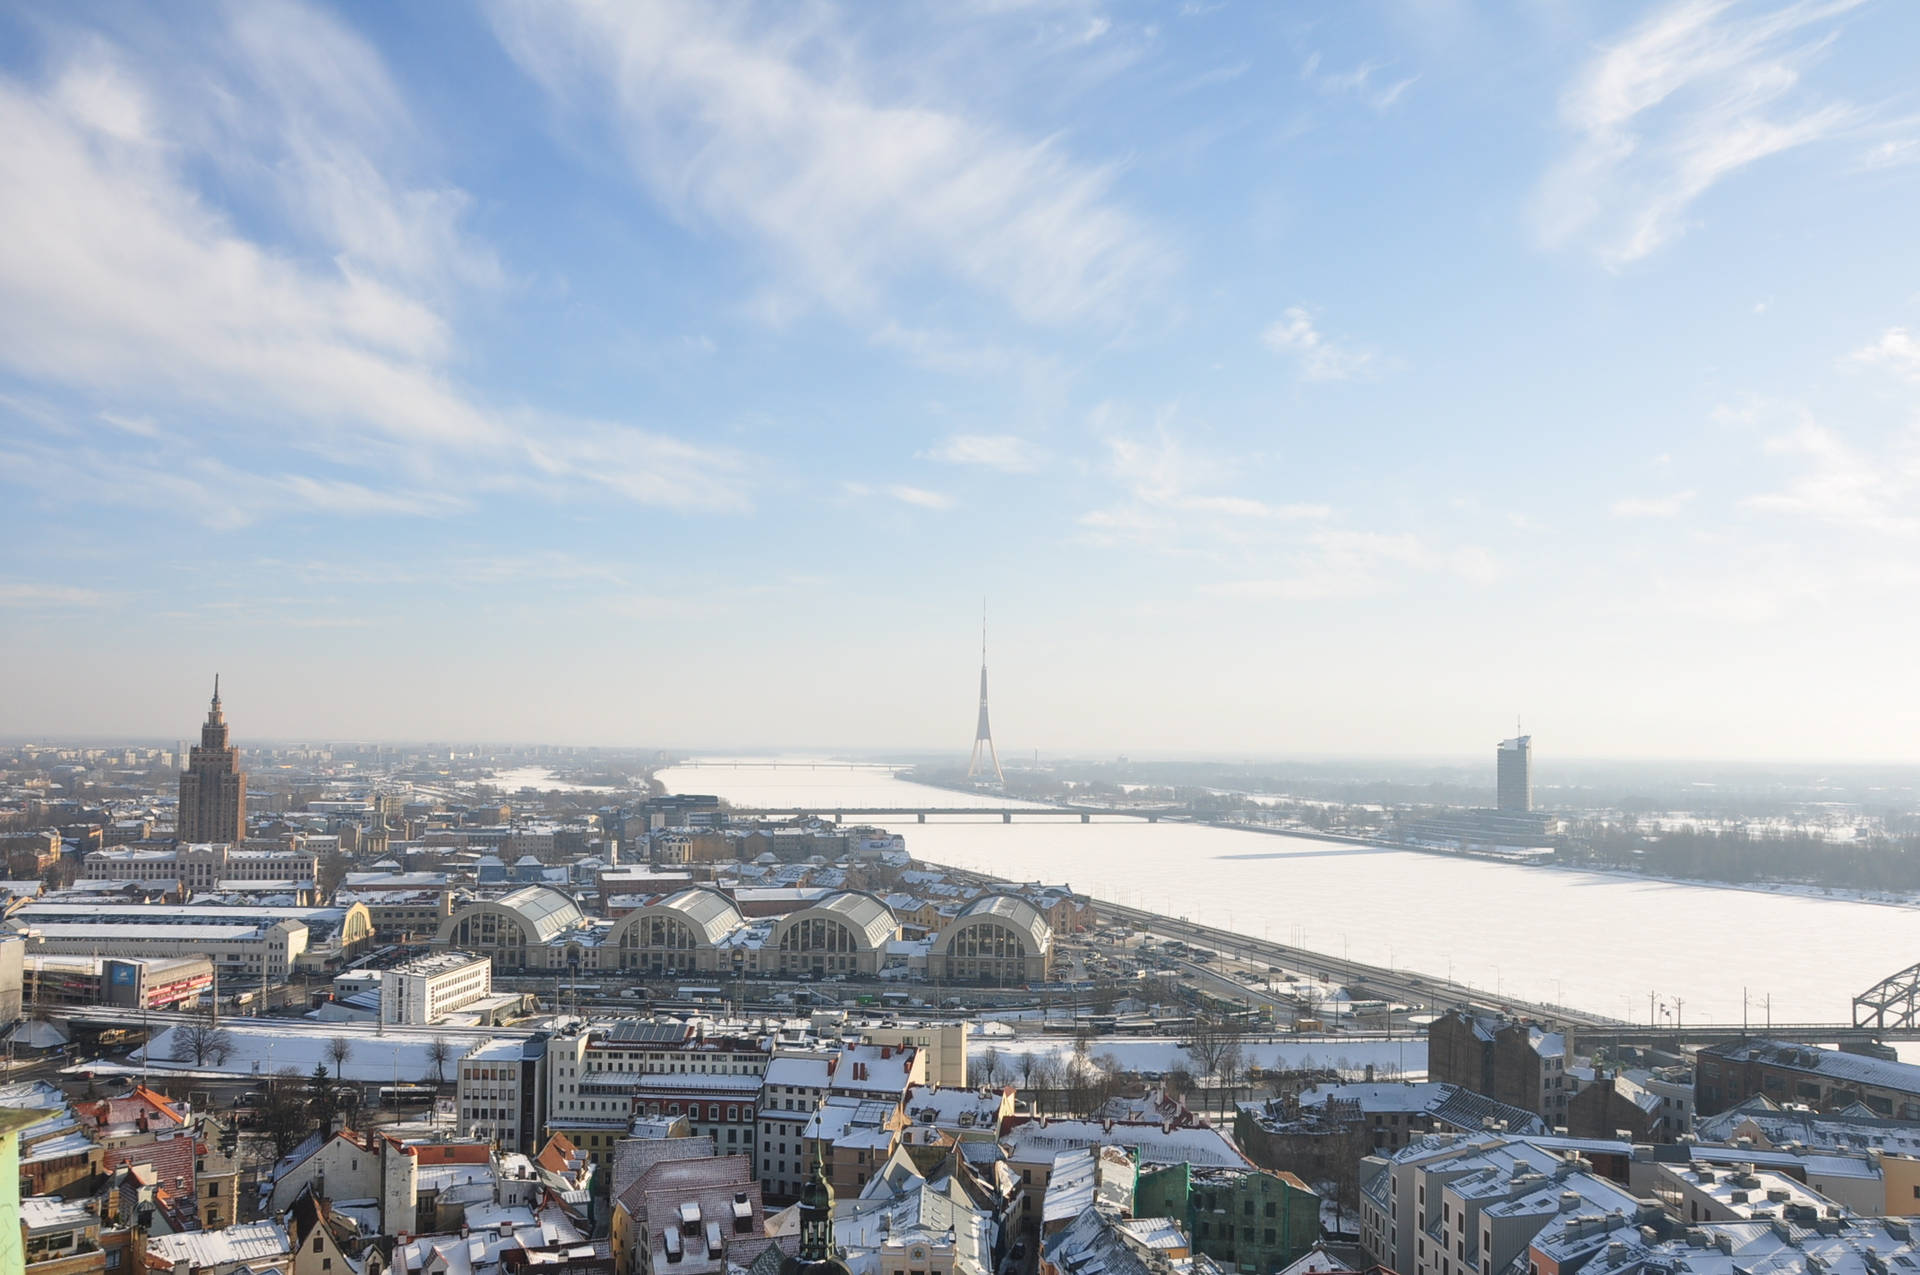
(170, 1158)
(557, 1154)
(452, 1152)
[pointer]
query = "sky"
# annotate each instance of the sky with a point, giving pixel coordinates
(1288, 380)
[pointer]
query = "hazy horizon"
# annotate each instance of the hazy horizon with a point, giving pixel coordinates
(1329, 381)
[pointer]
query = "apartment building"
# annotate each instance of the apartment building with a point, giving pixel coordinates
(428, 988)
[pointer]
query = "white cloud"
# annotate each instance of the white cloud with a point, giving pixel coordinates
(1169, 502)
(1695, 93)
(181, 483)
(918, 497)
(1320, 359)
(1897, 351)
(1008, 453)
(940, 351)
(1843, 486)
(120, 278)
(40, 595)
(1668, 506)
(1358, 83)
(1335, 563)
(785, 136)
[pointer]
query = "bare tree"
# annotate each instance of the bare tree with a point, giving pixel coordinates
(339, 1049)
(283, 1110)
(202, 1043)
(1214, 1040)
(1233, 1061)
(1206, 1044)
(330, 871)
(1046, 1079)
(439, 1053)
(986, 1064)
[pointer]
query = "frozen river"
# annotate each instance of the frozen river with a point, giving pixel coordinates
(1593, 940)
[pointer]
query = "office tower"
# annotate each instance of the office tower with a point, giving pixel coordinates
(213, 788)
(1516, 773)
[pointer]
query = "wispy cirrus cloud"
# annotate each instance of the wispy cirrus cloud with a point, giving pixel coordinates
(41, 595)
(1008, 453)
(1840, 484)
(1294, 334)
(125, 281)
(1256, 548)
(918, 497)
(1690, 96)
(1364, 83)
(1171, 500)
(772, 126)
(1335, 563)
(1668, 506)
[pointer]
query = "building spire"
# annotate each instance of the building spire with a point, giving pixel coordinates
(816, 1213)
(216, 692)
(986, 758)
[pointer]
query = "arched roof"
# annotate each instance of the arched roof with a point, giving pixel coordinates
(707, 912)
(1008, 910)
(871, 921)
(542, 913)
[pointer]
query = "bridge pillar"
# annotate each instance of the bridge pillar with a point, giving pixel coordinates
(1006, 816)
(1086, 818)
(836, 816)
(1153, 818)
(923, 816)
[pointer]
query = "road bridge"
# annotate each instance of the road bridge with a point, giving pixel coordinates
(725, 764)
(1085, 814)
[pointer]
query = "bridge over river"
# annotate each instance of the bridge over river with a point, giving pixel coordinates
(1085, 814)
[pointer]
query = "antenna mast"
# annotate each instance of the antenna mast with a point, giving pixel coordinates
(985, 758)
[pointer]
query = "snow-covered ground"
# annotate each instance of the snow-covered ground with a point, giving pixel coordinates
(539, 778)
(264, 1048)
(1407, 1058)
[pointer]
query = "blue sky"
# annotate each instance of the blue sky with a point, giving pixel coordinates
(1293, 379)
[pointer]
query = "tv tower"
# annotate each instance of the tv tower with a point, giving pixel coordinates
(985, 757)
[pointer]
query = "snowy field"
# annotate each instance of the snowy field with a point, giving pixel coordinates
(264, 1048)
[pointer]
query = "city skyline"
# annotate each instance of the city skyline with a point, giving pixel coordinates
(1299, 383)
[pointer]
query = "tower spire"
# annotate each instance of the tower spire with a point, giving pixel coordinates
(216, 690)
(985, 758)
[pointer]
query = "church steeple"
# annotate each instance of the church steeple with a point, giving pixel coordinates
(816, 1227)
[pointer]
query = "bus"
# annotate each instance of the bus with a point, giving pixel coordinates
(407, 1095)
(698, 994)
